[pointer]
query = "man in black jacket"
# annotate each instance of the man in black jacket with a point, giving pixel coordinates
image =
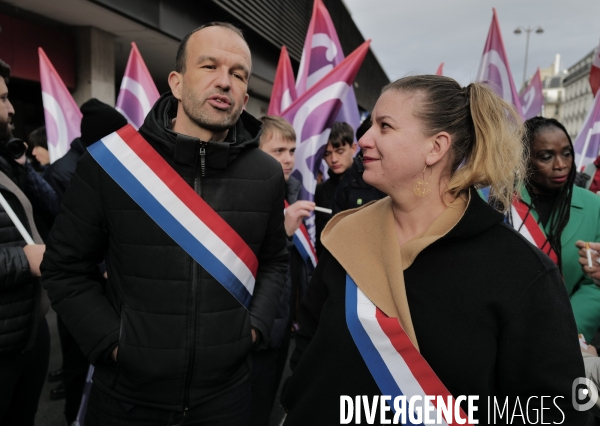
(24, 337)
(168, 341)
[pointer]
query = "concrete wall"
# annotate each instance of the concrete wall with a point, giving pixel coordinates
(95, 66)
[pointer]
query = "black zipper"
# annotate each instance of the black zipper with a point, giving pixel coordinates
(194, 292)
(203, 158)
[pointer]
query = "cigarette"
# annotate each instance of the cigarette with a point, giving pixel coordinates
(588, 251)
(323, 210)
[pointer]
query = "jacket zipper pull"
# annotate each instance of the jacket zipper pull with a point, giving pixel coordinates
(202, 159)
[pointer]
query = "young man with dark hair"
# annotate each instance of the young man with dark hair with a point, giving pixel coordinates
(353, 191)
(338, 155)
(190, 224)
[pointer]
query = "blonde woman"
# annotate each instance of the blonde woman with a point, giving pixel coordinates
(428, 292)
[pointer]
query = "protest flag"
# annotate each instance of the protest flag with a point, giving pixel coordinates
(440, 70)
(595, 72)
(587, 143)
(322, 52)
(284, 86)
(494, 69)
(532, 99)
(312, 116)
(138, 93)
(61, 113)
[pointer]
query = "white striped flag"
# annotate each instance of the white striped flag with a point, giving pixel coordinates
(587, 143)
(494, 69)
(312, 116)
(284, 86)
(323, 51)
(138, 92)
(532, 99)
(61, 113)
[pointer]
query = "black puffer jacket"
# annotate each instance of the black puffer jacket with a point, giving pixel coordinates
(19, 290)
(182, 337)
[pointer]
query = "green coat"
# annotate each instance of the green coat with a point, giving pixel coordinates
(584, 224)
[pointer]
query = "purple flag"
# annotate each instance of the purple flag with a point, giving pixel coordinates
(532, 99)
(61, 113)
(138, 92)
(323, 51)
(587, 144)
(494, 69)
(312, 116)
(284, 86)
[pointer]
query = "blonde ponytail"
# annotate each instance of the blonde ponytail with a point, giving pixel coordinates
(487, 148)
(497, 158)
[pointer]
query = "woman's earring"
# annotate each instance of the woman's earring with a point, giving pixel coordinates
(422, 187)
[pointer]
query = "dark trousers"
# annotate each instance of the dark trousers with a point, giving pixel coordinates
(230, 409)
(267, 369)
(22, 377)
(75, 367)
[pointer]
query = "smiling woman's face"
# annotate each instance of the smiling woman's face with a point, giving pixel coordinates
(552, 159)
(394, 148)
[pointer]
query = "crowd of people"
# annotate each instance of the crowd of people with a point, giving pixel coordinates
(170, 254)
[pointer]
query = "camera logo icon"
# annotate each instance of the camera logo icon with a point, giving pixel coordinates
(584, 393)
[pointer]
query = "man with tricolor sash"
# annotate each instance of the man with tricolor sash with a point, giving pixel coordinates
(188, 214)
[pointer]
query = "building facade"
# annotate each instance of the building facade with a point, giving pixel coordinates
(578, 94)
(89, 42)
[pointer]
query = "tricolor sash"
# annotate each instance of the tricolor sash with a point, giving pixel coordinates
(395, 364)
(524, 222)
(159, 190)
(304, 245)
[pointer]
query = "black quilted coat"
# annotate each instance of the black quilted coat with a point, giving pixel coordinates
(182, 337)
(19, 290)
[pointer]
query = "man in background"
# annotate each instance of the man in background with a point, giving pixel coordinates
(278, 139)
(338, 155)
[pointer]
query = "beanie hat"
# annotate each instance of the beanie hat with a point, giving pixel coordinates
(99, 120)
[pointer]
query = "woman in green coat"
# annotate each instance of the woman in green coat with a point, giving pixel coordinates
(564, 212)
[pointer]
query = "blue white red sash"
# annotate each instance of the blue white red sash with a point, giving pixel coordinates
(153, 184)
(304, 245)
(395, 364)
(524, 222)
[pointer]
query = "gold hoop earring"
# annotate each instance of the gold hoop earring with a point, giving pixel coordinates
(422, 187)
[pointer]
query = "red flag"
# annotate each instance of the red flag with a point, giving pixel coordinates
(494, 69)
(440, 70)
(595, 72)
(284, 86)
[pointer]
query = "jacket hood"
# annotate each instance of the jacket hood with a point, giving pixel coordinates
(183, 149)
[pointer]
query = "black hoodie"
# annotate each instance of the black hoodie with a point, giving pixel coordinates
(182, 337)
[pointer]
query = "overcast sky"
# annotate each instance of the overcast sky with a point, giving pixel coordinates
(412, 37)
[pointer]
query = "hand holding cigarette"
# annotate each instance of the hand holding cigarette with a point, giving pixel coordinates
(589, 258)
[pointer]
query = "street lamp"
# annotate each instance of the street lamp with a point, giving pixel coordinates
(528, 30)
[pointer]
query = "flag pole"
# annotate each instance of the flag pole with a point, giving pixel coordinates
(585, 147)
(15, 220)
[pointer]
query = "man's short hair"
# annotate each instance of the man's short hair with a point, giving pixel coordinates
(4, 71)
(341, 134)
(276, 125)
(181, 55)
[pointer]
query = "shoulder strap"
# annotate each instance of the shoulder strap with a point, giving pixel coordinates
(159, 190)
(396, 365)
(524, 223)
